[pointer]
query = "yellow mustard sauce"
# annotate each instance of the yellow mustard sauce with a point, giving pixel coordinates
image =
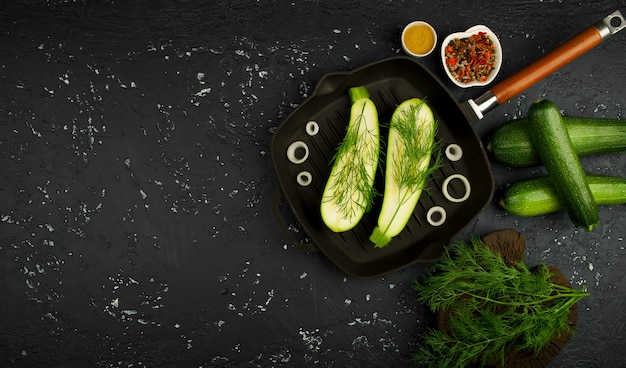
(419, 39)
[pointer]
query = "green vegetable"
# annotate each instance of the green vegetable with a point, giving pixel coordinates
(493, 308)
(410, 145)
(349, 191)
(565, 171)
(512, 145)
(537, 196)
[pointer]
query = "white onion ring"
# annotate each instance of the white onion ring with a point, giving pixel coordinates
(291, 152)
(434, 210)
(454, 152)
(312, 128)
(304, 178)
(465, 183)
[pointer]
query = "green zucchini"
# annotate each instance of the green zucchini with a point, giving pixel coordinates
(511, 143)
(410, 144)
(537, 196)
(349, 191)
(565, 171)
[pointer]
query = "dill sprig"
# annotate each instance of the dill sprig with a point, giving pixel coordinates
(410, 167)
(493, 308)
(352, 192)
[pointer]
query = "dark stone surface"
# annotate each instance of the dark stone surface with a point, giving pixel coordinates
(136, 227)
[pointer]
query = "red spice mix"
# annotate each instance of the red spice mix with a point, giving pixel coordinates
(471, 59)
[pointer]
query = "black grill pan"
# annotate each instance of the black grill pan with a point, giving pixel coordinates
(390, 82)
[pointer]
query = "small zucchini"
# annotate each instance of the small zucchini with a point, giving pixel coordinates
(565, 171)
(537, 196)
(512, 145)
(349, 191)
(410, 144)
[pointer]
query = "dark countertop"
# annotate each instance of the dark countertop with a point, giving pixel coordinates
(136, 224)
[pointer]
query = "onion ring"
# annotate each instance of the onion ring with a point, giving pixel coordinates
(304, 178)
(291, 152)
(454, 152)
(465, 182)
(435, 210)
(312, 128)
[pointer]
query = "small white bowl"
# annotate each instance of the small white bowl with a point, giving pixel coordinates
(427, 27)
(472, 31)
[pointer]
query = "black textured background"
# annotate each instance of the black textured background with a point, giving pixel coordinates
(136, 183)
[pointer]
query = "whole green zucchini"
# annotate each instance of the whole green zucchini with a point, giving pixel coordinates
(565, 171)
(537, 196)
(511, 143)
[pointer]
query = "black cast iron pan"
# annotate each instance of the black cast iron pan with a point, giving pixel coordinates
(303, 146)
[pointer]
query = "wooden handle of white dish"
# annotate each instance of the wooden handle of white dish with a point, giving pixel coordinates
(544, 66)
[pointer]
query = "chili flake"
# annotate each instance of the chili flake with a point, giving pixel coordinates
(471, 59)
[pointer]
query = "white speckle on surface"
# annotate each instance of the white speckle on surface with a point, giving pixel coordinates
(311, 339)
(303, 275)
(598, 277)
(65, 79)
(360, 322)
(203, 92)
(270, 295)
(360, 341)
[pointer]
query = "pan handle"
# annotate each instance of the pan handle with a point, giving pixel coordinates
(550, 62)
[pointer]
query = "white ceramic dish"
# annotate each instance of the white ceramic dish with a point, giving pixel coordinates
(472, 31)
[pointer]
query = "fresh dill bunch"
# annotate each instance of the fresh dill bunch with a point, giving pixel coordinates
(493, 308)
